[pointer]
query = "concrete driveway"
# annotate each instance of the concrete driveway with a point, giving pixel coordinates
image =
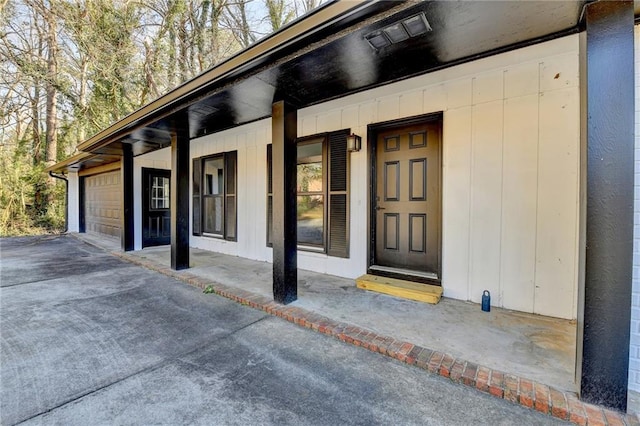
(90, 339)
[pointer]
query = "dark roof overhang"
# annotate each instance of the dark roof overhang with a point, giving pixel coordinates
(326, 55)
(83, 160)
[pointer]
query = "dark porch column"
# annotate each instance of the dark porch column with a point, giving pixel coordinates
(126, 179)
(608, 147)
(284, 132)
(179, 194)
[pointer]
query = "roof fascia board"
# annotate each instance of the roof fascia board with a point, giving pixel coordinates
(62, 165)
(103, 168)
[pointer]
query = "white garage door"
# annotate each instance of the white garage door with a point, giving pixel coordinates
(102, 203)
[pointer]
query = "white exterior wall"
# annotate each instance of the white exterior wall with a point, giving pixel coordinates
(73, 206)
(251, 143)
(510, 176)
(510, 173)
(160, 159)
(634, 347)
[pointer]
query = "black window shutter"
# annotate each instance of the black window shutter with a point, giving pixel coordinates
(269, 196)
(197, 215)
(231, 164)
(338, 244)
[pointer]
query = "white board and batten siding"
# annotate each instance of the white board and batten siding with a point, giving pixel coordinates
(250, 141)
(510, 175)
(510, 172)
(73, 208)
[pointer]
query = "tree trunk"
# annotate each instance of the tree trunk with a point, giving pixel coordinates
(35, 114)
(171, 66)
(216, 13)
(82, 101)
(52, 92)
(183, 49)
(35, 126)
(246, 30)
(51, 108)
(200, 23)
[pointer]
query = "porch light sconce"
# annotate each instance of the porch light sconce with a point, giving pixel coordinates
(354, 143)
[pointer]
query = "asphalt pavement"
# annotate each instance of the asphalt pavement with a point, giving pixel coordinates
(88, 339)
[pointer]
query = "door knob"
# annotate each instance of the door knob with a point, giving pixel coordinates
(379, 208)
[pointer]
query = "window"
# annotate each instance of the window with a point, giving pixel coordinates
(310, 189)
(214, 196)
(322, 194)
(269, 197)
(159, 193)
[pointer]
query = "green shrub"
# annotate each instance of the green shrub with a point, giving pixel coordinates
(30, 203)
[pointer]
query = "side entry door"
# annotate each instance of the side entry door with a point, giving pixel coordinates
(156, 217)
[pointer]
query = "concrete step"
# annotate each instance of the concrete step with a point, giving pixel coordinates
(400, 288)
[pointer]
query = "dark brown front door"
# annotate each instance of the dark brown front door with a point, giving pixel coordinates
(407, 200)
(156, 219)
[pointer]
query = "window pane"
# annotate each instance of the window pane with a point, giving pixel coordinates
(213, 214)
(231, 218)
(214, 176)
(231, 173)
(311, 219)
(165, 198)
(269, 169)
(154, 192)
(310, 177)
(160, 193)
(310, 152)
(269, 220)
(154, 198)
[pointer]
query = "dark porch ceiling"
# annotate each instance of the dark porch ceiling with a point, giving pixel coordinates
(337, 60)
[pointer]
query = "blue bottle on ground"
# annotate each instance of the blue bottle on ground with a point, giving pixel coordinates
(486, 301)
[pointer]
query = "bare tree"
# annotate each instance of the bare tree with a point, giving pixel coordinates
(51, 90)
(305, 6)
(237, 21)
(69, 68)
(280, 13)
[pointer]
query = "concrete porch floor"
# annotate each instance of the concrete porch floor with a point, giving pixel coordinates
(531, 346)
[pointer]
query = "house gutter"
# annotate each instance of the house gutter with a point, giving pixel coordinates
(66, 164)
(66, 199)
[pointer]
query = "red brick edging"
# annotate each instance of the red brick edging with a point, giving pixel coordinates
(528, 393)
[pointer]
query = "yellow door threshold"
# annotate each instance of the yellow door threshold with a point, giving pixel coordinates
(400, 288)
